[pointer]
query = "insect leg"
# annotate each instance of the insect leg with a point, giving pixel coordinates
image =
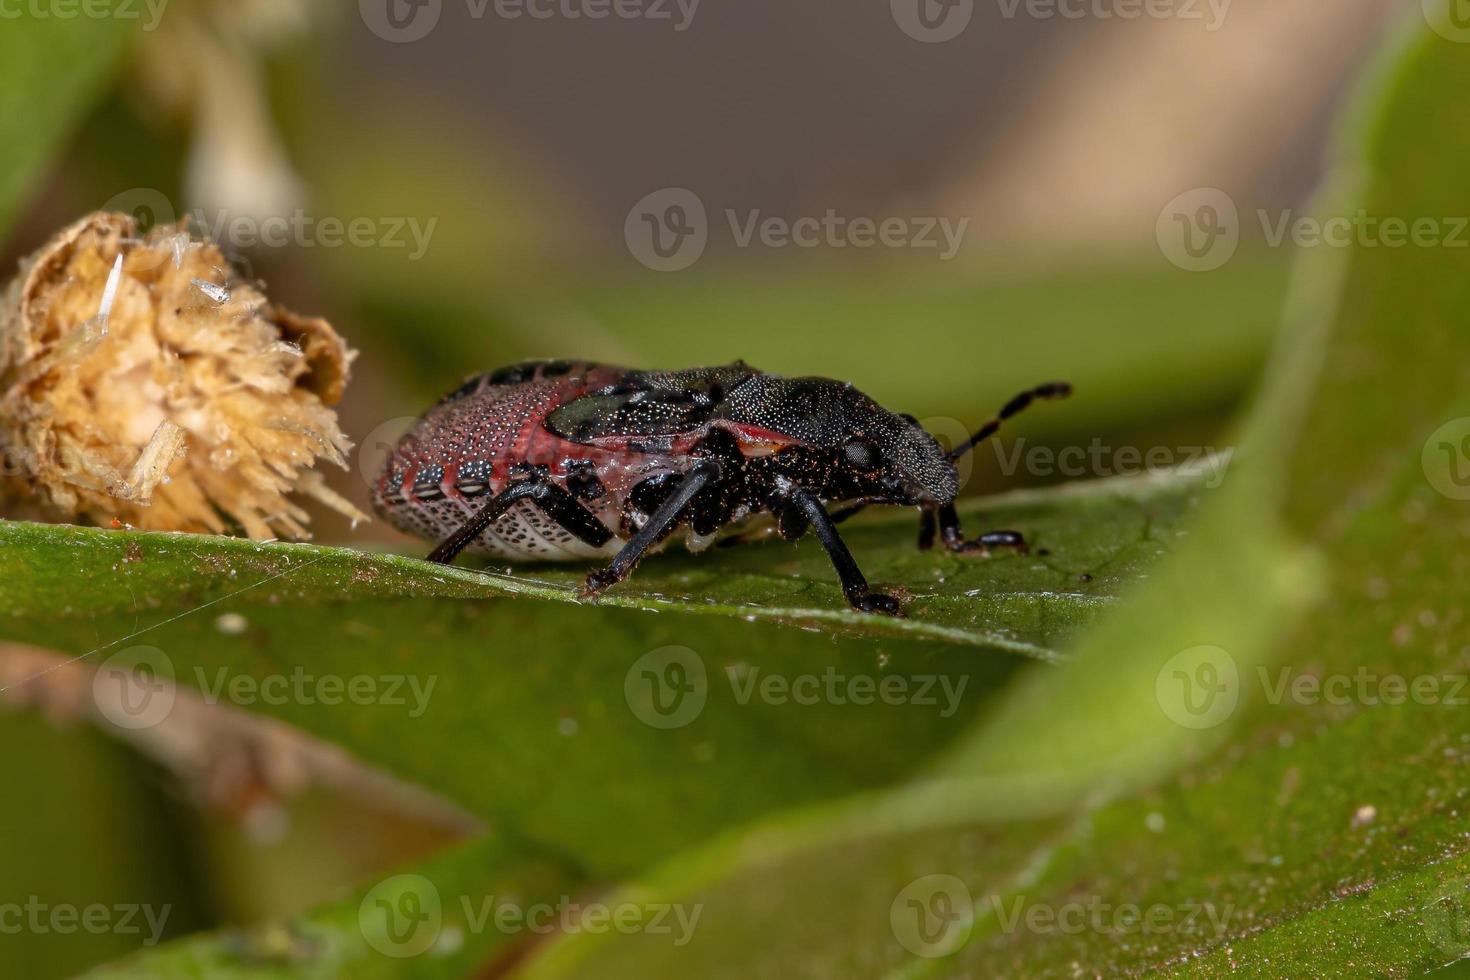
(571, 515)
(564, 509)
(658, 524)
(481, 519)
(854, 585)
(926, 529)
(953, 535)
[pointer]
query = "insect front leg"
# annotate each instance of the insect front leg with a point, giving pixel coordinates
(953, 536)
(561, 507)
(660, 523)
(854, 585)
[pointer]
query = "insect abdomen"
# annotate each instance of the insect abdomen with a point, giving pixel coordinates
(486, 434)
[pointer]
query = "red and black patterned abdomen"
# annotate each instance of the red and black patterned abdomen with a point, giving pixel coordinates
(490, 431)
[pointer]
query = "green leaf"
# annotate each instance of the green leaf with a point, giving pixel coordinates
(51, 69)
(1088, 542)
(514, 688)
(1298, 810)
(435, 921)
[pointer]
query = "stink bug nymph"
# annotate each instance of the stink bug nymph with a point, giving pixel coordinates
(567, 460)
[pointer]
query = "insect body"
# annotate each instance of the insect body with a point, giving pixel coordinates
(564, 460)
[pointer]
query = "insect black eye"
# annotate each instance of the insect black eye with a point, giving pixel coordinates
(862, 454)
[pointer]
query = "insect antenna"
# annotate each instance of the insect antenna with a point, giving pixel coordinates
(1018, 404)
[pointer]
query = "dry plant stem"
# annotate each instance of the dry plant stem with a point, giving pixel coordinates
(231, 760)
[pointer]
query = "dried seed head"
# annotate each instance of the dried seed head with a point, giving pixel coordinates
(142, 381)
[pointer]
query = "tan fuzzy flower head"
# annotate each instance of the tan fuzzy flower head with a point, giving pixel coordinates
(141, 380)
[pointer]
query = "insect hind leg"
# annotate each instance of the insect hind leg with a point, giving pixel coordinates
(562, 508)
